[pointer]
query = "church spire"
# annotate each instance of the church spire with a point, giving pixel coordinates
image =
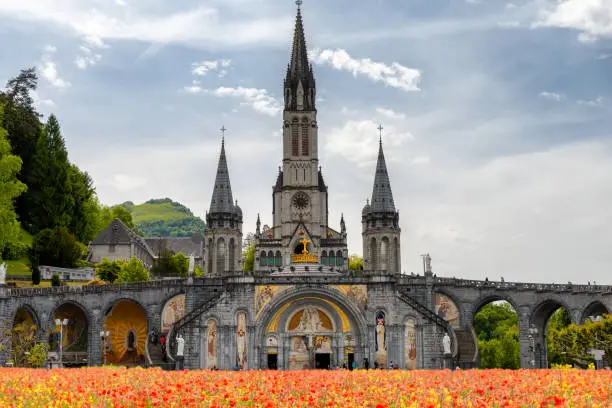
(222, 200)
(382, 197)
(299, 82)
(299, 56)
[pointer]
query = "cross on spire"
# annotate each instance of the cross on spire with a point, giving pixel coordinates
(223, 129)
(380, 129)
(299, 3)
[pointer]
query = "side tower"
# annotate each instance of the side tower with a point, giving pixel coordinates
(380, 224)
(223, 234)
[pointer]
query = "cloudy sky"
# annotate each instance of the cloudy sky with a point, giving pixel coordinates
(497, 114)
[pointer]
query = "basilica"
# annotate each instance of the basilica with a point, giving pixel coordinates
(301, 307)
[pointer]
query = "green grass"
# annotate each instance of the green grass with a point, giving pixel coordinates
(18, 267)
(158, 212)
(25, 237)
(43, 284)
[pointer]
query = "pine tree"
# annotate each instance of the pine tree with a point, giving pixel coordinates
(22, 122)
(49, 200)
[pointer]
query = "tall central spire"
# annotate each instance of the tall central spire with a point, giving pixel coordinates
(299, 55)
(299, 83)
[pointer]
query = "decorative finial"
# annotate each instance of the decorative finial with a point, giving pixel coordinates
(223, 129)
(380, 129)
(299, 3)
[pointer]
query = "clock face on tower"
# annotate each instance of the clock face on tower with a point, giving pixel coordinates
(300, 200)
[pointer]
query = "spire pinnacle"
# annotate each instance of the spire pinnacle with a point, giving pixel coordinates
(380, 129)
(382, 197)
(222, 200)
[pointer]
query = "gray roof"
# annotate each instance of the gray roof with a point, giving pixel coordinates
(117, 233)
(186, 245)
(222, 200)
(382, 197)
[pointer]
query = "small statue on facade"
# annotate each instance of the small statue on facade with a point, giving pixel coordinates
(446, 344)
(180, 346)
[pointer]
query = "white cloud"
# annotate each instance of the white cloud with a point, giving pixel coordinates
(593, 18)
(201, 26)
(38, 101)
(594, 103)
(390, 113)
(357, 141)
(87, 58)
(204, 67)
(553, 96)
(258, 99)
(503, 218)
(48, 68)
(394, 75)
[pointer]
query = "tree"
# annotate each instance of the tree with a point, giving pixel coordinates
(23, 125)
(49, 201)
(133, 271)
(85, 217)
(571, 345)
(26, 351)
(56, 247)
(198, 271)
(249, 258)
(355, 262)
(180, 265)
(496, 326)
(124, 215)
(10, 189)
(55, 280)
(108, 270)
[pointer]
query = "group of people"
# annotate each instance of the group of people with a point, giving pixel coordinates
(155, 338)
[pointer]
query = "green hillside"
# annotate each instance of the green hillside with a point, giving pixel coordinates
(20, 266)
(164, 217)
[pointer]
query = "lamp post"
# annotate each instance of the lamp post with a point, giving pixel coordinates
(533, 331)
(61, 323)
(103, 336)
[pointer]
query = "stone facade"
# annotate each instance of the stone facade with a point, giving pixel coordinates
(301, 307)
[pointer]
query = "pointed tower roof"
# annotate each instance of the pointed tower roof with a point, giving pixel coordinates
(382, 197)
(222, 200)
(299, 56)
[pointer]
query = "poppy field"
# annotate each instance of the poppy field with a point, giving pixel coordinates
(120, 387)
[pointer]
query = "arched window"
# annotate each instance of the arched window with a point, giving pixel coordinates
(270, 258)
(221, 255)
(339, 258)
(324, 258)
(305, 141)
(396, 255)
(232, 254)
(384, 254)
(332, 258)
(209, 256)
(295, 139)
(278, 259)
(373, 254)
(262, 259)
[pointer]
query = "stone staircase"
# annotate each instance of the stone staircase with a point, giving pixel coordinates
(467, 348)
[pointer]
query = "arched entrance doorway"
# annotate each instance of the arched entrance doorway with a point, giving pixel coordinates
(126, 322)
(311, 328)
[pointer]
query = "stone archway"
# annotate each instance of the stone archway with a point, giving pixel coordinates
(127, 324)
(537, 331)
(25, 326)
(594, 309)
(337, 327)
(73, 333)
